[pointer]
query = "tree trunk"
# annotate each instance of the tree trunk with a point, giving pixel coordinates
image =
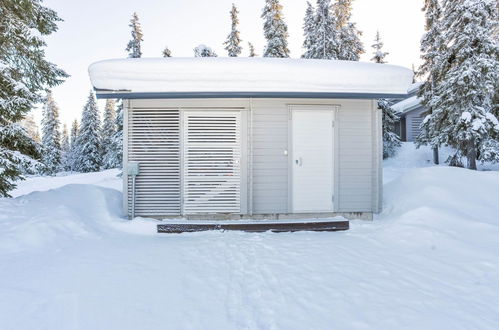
(471, 154)
(435, 156)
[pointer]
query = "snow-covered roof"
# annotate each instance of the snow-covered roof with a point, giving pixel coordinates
(414, 87)
(247, 75)
(407, 104)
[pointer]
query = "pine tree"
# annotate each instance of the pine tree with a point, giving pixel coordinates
(73, 150)
(65, 150)
(167, 52)
(232, 45)
(325, 42)
(75, 128)
(308, 31)
(108, 132)
(51, 136)
(251, 48)
(24, 73)
(133, 47)
(204, 51)
(464, 73)
(31, 128)
(275, 30)
(350, 46)
(432, 48)
(391, 140)
(88, 146)
(116, 150)
(379, 54)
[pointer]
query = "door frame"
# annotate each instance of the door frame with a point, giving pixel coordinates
(334, 108)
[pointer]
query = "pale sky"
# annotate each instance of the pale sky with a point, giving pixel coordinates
(95, 30)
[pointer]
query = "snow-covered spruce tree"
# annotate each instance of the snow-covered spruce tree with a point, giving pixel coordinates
(51, 136)
(167, 52)
(275, 30)
(204, 51)
(71, 158)
(65, 150)
(391, 140)
(133, 47)
(379, 54)
(251, 48)
(232, 44)
(308, 30)
(31, 128)
(325, 39)
(350, 46)
(107, 135)
(116, 150)
(465, 72)
(24, 73)
(88, 147)
(432, 50)
(75, 128)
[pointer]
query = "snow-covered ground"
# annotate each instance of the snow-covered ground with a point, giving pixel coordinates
(429, 261)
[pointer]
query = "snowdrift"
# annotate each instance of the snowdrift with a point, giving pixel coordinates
(74, 211)
(430, 261)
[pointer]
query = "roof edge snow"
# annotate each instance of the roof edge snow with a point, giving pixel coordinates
(408, 104)
(106, 94)
(246, 77)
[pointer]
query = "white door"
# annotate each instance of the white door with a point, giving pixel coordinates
(312, 159)
(212, 162)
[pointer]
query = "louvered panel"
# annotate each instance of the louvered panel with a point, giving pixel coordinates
(154, 141)
(212, 168)
(416, 126)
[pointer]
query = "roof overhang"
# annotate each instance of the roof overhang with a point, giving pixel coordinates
(105, 94)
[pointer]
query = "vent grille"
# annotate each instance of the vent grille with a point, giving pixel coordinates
(212, 169)
(153, 140)
(416, 126)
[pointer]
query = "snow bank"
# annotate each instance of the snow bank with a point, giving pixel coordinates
(408, 157)
(107, 178)
(211, 74)
(429, 261)
(72, 212)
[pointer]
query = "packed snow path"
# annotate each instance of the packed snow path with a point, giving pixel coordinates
(429, 261)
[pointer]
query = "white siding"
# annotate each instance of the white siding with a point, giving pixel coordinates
(357, 186)
(270, 164)
(357, 150)
(355, 156)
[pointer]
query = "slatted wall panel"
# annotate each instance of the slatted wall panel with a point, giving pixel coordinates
(212, 168)
(416, 127)
(154, 141)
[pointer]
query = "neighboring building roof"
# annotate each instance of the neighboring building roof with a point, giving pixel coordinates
(413, 89)
(258, 77)
(407, 105)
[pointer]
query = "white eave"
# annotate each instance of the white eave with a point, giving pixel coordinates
(246, 77)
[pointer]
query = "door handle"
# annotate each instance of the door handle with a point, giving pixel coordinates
(298, 161)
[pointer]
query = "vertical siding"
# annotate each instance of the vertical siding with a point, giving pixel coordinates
(355, 156)
(357, 185)
(270, 164)
(413, 122)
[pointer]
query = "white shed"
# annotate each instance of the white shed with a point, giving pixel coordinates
(251, 137)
